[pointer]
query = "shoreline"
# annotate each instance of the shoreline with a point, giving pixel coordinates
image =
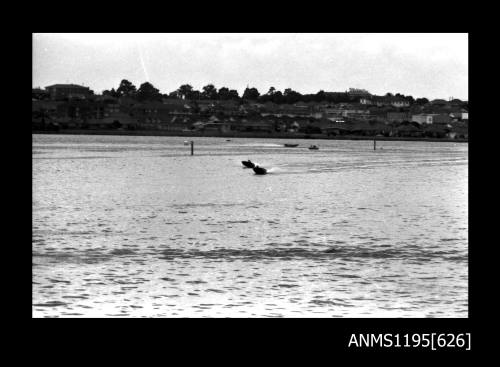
(240, 135)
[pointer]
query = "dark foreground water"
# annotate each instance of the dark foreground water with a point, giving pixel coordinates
(135, 226)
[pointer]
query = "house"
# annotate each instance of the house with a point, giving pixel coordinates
(399, 102)
(48, 107)
(385, 101)
(357, 114)
(112, 120)
(105, 99)
(88, 113)
(108, 113)
(158, 112)
(64, 91)
(44, 113)
(316, 115)
(459, 115)
(294, 110)
(355, 92)
(78, 110)
(422, 118)
(227, 107)
(398, 116)
(206, 105)
(342, 111)
(442, 118)
(333, 112)
(373, 100)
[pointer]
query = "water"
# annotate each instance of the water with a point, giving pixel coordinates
(136, 227)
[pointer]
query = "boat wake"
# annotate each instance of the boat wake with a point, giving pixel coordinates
(275, 170)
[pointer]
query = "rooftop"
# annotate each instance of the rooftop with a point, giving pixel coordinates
(66, 86)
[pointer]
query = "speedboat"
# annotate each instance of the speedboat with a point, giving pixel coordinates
(248, 164)
(314, 147)
(291, 145)
(259, 170)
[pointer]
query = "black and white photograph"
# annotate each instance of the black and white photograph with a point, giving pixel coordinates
(250, 175)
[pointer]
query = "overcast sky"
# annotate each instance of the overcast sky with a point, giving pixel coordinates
(422, 65)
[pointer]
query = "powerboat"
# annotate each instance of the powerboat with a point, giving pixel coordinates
(259, 170)
(314, 147)
(248, 164)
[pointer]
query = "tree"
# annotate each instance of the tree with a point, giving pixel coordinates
(320, 96)
(173, 95)
(421, 101)
(268, 97)
(410, 99)
(209, 92)
(291, 96)
(185, 91)
(224, 93)
(277, 97)
(251, 93)
(126, 88)
(233, 94)
(195, 95)
(147, 92)
(112, 93)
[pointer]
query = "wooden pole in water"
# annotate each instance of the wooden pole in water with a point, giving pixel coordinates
(374, 144)
(192, 147)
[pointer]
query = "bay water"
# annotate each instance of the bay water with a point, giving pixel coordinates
(129, 226)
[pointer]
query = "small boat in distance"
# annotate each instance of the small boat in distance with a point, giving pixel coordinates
(291, 145)
(314, 147)
(259, 170)
(248, 164)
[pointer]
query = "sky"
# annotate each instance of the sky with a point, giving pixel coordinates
(431, 65)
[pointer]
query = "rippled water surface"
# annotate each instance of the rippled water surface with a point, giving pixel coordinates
(135, 226)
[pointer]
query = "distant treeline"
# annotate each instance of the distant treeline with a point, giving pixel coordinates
(147, 92)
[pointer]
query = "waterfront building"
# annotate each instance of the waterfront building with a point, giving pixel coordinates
(355, 92)
(431, 118)
(63, 91)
